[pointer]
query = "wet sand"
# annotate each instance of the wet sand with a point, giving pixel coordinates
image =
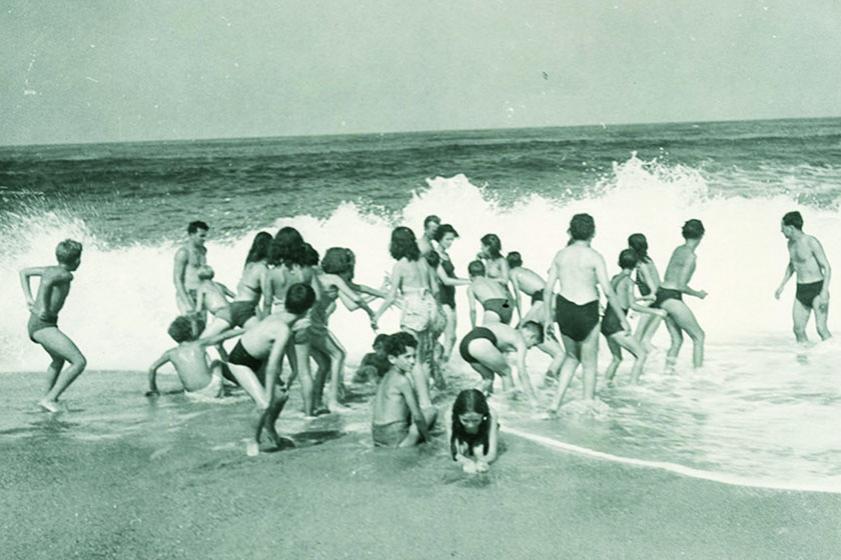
(336, 497)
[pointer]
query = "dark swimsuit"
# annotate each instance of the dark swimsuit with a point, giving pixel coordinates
(239, 356)
(576, 321)
(238, 312)
(611, 323)
(447, 294)
(500, 306)
(475, 334)
(36, 323)
(665, 294)
(537, 296)
(642, 286)
(806, 293)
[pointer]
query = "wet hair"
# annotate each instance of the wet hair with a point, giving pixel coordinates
(205, 273)
(535, 328)
(379, 339)
(68, 251)
(403, 244)
(628, 259)
(430, 219)
(514, 259)
(582, 227)
(443, 230)
(470, 400)
(337, 260)
(793, 219)
(299, 298)
(639, 244)
(181, 330)
(287, 247)
(397, 343)
(309, 256)
(692, 229)
(260, 247)
(433, 258)
(476, 268)
(494, 245)
(195, 226)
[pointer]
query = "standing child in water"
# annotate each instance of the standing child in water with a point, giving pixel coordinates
(474, 433)
(623, 286)
(43, 319)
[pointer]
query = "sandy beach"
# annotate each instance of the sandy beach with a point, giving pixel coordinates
(181, 486)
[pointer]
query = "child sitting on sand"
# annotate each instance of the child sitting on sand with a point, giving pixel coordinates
(374, 364)
(396, 403)
(474, 433)
(200, 379)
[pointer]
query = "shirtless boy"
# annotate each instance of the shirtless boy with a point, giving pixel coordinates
(484, 348)
(191, 256)
(580, 271)
(258, 353)
(211, 296)
(427, 240)
(808, 260)
(396, 403)
(529, 282)
(670, 296)
(43, 319)
(200, 379)
(490, 293)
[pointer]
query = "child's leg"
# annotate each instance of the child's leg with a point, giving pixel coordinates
(449, 333)
(636, 348)
(553, 349)
(616, 353)
(58, 345)
(570, 364)
(337, 362)
(247, 379)
(53, 369)
(589, 362)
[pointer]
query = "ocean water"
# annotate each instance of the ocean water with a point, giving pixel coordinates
(761, 410)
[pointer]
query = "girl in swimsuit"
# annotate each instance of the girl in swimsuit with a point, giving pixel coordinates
(445, 235)
(648, 282)
(242, 311)
(475, 432)
(496, 267)
(416, 281)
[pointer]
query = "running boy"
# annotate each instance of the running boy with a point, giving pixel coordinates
(43, 319)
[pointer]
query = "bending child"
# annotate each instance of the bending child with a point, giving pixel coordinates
(474, 433)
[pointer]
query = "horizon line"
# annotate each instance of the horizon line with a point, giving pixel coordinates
(395, 132)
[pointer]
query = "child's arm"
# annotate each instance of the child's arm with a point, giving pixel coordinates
(226, 291)
(25, 275)
(153, 373)
(216, 339)
(471, 304)
(627, 287)
(408, 393)
(522, 372)
(515, 284)
(388, 301)
(363, 289)
(274, 362)
(493, 441)
(450, 281)
(201, 297)
(265, 286)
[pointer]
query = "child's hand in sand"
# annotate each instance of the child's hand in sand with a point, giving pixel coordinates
(481, 467)
(469, 467)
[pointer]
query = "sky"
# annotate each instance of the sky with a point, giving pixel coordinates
(119, 70)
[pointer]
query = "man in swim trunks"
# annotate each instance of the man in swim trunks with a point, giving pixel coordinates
(430, 226)
(257, 356)
(529, 282)
(191, 256)
(808, 260)
(581, 271)
(200, 380)
(490, 293)
(484, 348)
(43, 319)
(398, 420)
(670, 296)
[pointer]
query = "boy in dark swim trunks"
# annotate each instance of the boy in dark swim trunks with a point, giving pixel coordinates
(623, 285)
(808, 260)
(670, 296)
(43, 320)
(580, 271)
(200, 380)
(490, 293)
(484, 349)
(398, 420)
(258, 353)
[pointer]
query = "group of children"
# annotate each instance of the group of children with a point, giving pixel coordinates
(287, 293)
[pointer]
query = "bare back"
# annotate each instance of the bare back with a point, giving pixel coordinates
(190, 361)
(680, 269)
(389, 403)
(527, 280)
(485, 289)
(249, 287)
(575, 268)
(413, 275)
(258, 340)
(53, 290)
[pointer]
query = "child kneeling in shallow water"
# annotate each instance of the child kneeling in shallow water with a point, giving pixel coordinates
(475, 432)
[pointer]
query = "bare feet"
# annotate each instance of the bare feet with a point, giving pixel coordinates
(51, 406)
